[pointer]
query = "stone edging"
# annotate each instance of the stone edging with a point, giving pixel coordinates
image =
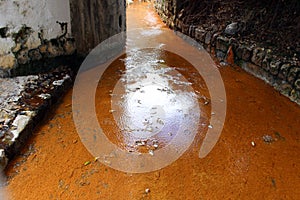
(280, 72)
(25, 107)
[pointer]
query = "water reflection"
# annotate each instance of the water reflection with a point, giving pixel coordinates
(150, 100)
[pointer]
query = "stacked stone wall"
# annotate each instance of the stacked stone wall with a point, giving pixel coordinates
(283, 73)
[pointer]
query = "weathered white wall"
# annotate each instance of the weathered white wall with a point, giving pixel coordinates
(36, 14)
(41, 14)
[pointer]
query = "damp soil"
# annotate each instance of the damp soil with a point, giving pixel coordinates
(256, 156)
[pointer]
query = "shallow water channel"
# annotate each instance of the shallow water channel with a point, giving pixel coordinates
(164, 121)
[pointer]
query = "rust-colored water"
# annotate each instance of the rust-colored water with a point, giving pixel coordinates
(241, 165)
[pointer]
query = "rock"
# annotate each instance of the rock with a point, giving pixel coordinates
(34, 54)
(220, 55)
(191, 32)
(7, 62)
(294, 95)
(266, 62)
(222, 43)
(297, 84)
(214, 28)
(43, 48)
(258, 56)
(147, 190)
(232, 29)
(292, 75)
(214, 39)
(200, 34)
(22, 56)
(44, 96)
(54, 50)
(274, 67)
(69, 47)
(208, 37)
(20, 123)
(268, 139)
(285, 89)
(244, 53)
(3, 160)
(284, 70)
(247, 53)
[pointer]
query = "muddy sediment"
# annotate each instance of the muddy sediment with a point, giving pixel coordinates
(255, 157)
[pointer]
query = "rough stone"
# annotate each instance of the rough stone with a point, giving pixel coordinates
(191, 32)
(243, 52)
(69, 47)
(4, 73)
(208, 37)
(284, 70)
(3, 160)
(294, 95)
(274, 67)
(200, 34)
(220, 55)
(214, 28)
(231, 29)
(214, 39)
(54, 51)
(222, 43)
(246, 53)
(260, 62)
(43, 49)
(34, 54)
(286, 89)
(22, 56)
(266, 62)
(7, 61)
(292, 75)
(297, 84)
(20, 119)
(20, 122)
(258, 56)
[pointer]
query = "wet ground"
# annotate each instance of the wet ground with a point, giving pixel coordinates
(256, 156)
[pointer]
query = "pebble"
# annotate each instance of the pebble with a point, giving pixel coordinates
(147, 190)
(151, 152)
(231, 29)
(253, 144)
(268, 138)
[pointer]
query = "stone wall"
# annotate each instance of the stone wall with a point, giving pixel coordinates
(282, 73)
(39, 35)
(32, 31)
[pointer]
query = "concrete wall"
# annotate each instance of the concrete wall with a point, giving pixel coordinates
(281, 72)
(38, 35)
(33, 30)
